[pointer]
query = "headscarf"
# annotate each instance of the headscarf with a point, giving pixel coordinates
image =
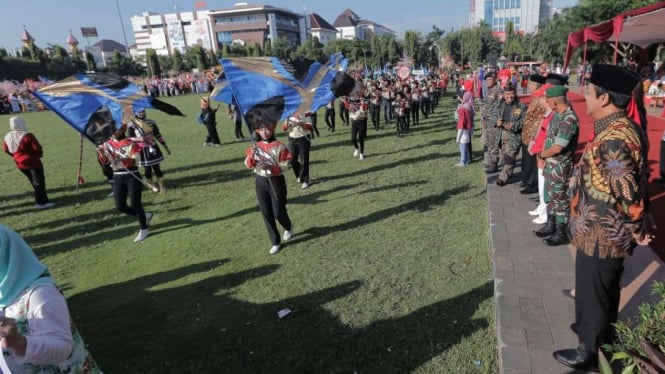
(19, 267)
(18, 131)
(467, 102)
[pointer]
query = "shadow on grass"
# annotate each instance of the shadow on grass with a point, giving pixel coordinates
(144, 326)
(421, 205)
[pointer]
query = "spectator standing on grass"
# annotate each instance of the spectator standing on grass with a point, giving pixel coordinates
(608, 211)
(465, 115)
(27, 153)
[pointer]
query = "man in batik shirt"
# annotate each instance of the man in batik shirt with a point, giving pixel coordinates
(607, 213)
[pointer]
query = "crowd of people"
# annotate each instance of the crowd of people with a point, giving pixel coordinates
(599, 204)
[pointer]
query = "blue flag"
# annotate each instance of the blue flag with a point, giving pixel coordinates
(253, 80)
(94, 103)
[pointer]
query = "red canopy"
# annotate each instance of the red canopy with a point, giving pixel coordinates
(642, 27)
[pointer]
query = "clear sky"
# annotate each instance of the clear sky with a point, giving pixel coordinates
(49, 21)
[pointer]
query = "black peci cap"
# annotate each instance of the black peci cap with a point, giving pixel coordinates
(556, 79)
(537, 78)
(614, 78)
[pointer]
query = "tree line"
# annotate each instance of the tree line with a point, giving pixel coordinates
(473, 45)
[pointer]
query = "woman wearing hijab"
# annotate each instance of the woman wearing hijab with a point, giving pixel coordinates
(27, 154)
(35, 328)
(465, 115)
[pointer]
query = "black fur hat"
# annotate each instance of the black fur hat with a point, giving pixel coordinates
(266, 113)
(342, 84)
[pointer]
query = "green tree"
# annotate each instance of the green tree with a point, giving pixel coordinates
(152, 62)
(512, 46)
(283, 49)
(412, 44)
(90, 63)
(178, 61)
(312, 49)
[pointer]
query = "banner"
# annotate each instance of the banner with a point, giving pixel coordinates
(89, 32)
(176, 35)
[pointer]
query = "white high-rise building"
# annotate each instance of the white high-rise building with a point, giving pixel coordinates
(525, 15)
(166, 32)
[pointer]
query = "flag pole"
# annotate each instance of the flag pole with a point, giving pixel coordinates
(79, 179)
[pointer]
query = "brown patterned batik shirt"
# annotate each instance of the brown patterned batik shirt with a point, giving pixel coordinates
(532, 119)
(607, 198)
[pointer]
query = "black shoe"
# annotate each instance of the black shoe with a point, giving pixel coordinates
(560, 237)
(528, 190)
(576, 359)
(500, 183)
(548, 229)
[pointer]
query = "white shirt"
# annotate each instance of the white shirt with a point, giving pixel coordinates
(49, 340)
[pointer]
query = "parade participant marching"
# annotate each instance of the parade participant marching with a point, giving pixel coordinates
(508, 117)
(559, 148)
(330, 116)
(122, 154)
(268, 157)
(608, 216)
(146, 132)
(300, 141)
(489, 129)
(358, 106)
(208, 115)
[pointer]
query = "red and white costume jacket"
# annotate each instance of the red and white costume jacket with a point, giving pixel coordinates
(299, 125)
(120, 154)
(268, 159)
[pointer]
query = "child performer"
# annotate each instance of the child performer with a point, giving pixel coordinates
(300, 140)
(268, 157)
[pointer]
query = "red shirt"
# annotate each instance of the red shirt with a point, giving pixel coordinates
(539, 141)
(28, 154)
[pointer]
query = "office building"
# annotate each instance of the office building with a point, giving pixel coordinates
(525, 15)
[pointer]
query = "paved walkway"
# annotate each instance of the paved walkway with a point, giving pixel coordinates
(533, 316)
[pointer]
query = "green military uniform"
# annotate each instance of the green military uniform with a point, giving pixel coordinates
(508, 138)
(489, 131)
(562, 131)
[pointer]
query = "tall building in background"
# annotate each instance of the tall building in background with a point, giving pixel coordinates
(249, 24)
(167, 32)
(525, 15)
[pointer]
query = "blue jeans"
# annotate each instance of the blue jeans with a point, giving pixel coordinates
(465, 157)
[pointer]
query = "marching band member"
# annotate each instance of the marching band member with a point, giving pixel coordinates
(268, 157)
(300, 140)
(121, 154)
(146, 131)
(358, 107)
(399, 106)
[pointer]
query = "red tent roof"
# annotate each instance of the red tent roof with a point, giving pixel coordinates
(642, 27)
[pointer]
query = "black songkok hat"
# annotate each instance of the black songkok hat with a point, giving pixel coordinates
(556, 79)
(537, 78)
(614, 78)
(490, 74)
(266, 113)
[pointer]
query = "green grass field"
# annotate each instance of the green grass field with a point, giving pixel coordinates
(389, 270)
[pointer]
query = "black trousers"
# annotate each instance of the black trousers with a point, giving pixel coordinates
(374, 110)
(415, 112)
(271, 194)
(238, 128)
(38, 182)
(299, 148)
(330, 119)
(213, 136)
(129, 185)
(529, 168)
(597, 291)
(156, 168)
(358, 134)
(314, 121)
(343, 113)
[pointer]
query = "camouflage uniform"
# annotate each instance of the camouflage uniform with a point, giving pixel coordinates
(508, 137)
(489, 131)
(562, 131)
